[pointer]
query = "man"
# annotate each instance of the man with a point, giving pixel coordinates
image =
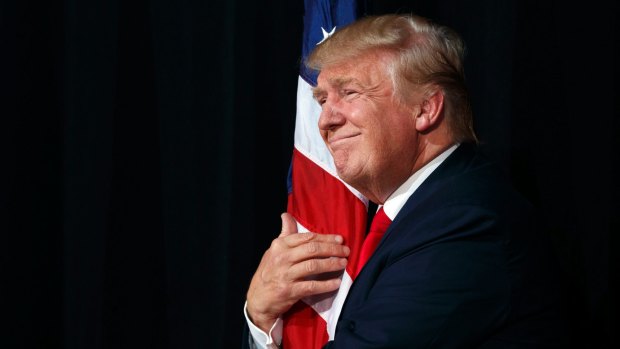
(461, 264)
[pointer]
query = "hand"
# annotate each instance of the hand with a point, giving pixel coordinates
(285, 271)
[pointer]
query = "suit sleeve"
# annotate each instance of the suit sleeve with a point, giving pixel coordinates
(444, 284)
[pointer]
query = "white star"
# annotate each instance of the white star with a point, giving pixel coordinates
(326, 34)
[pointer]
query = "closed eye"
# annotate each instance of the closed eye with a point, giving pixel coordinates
(348, 93)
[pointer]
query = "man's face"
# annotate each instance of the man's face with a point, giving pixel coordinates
(370, 133)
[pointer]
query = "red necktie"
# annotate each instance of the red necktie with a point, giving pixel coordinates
(380, 223)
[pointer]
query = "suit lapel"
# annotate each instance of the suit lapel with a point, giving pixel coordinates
(455, 164)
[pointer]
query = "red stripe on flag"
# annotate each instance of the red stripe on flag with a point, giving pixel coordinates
(324, 205)
(301, 321)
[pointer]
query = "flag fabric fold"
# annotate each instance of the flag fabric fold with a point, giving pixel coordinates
(318, 199)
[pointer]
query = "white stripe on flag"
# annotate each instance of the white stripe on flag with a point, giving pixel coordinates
(329, 308)
(308, 140)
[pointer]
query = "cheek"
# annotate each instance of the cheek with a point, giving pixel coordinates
(367, 114)
(358, 116)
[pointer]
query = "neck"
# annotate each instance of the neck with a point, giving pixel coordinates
(385, 188)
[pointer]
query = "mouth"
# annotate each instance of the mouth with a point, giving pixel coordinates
(336, 140)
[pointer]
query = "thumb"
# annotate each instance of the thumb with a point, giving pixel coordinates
(289, 225)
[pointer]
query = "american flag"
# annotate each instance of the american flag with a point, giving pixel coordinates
(318, 199)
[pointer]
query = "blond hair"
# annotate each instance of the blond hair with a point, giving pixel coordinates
(425, 54)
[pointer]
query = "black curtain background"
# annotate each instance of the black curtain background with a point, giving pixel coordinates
(145, 146)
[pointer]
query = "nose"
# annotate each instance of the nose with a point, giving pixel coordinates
(331, 116)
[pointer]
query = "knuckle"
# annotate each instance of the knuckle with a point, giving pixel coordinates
(333, 249)
(335, 263)
(312, 248)
(311, 266)
(311, 286)
(280, 291)
(304, 237)
(276, 243)
(308, 236)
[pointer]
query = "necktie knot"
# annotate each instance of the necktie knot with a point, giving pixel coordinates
(380, 222)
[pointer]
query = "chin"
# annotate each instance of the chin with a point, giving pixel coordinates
(344, 175)
(352, 179)
(347, 171)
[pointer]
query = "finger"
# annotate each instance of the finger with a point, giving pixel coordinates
(313, 287)
(313, 267)
(316, 249)
(300, 239)
(289, 225)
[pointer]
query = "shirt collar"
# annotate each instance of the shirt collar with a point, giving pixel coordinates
(397, 200)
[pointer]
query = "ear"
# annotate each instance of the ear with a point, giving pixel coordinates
(431, 109)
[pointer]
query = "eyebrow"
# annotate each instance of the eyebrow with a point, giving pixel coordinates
(318, 92)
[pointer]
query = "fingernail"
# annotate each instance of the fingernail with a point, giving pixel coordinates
(343, 262)
(339, 239)
(346, 250)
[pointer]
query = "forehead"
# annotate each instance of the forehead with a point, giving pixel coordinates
(366, 69)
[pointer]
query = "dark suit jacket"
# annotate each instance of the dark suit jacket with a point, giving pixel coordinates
(463, 265)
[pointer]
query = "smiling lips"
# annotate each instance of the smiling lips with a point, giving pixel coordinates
(335, 140)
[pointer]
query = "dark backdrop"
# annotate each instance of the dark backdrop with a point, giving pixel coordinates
(145, 145)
